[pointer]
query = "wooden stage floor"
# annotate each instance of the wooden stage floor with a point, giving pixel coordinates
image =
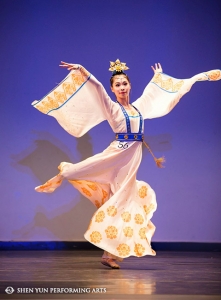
(168, 276)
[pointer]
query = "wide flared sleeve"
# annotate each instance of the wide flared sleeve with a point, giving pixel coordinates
(164, 92)
(78, 103)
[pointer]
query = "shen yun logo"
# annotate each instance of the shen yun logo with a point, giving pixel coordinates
(10, 290)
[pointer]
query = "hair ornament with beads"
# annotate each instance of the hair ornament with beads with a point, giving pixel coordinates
(117, 67)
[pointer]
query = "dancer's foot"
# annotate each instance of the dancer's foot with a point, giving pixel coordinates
(109, 262)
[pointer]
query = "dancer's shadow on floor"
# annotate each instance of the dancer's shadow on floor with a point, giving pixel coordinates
(65, 223)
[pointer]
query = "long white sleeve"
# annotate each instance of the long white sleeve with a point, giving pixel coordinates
(164, 92)
(78, 103)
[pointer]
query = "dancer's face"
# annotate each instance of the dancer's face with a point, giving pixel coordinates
(121, 87)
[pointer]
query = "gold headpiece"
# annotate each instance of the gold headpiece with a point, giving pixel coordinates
(117, 66)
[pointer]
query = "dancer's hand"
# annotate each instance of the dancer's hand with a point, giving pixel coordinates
(157, 69)
(68, 66)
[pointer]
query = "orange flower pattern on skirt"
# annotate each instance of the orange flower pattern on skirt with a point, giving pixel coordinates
(142, 233)
(126, 216)
(139, 249)
(100, 216)
(139, 219)
(104, 195)
(123, 250)
(97, 203)
(128, 231)
(86, 191)
(95, 237)
(149, 208)
(142, 192)
(111, 211)
(77, 181)
(92, 186)
(111, 232)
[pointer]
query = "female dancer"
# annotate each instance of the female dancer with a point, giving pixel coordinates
(122, 224)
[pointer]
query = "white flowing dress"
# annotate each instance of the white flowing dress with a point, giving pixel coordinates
(122, 223)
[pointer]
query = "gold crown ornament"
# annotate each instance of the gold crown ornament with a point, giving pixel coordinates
(117, 66)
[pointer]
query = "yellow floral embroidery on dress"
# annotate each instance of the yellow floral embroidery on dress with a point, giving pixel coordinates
(143, 192)
(62, 92)
(44, 106)
(41, 107)
(111, 232)
(97, 203)
(77, 79)
(96, 237)
(213, 75)
(60, 97)
(128, 231)
(177, 86)
(69, 88)
(149, 208)
(157, 78)
(53, 102)
(111, 211)
(126, 216)
(142, 233)
(86, 192)
(139, 219)
(92, 186)
(167, 84)
(123, 250)
(139, 249)
(100, 216)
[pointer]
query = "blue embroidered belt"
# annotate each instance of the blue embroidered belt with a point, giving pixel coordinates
(124, 137)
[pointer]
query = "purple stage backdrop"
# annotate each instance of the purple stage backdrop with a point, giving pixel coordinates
(184, 36)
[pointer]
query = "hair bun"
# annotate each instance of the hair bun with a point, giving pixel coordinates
(118, 72)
